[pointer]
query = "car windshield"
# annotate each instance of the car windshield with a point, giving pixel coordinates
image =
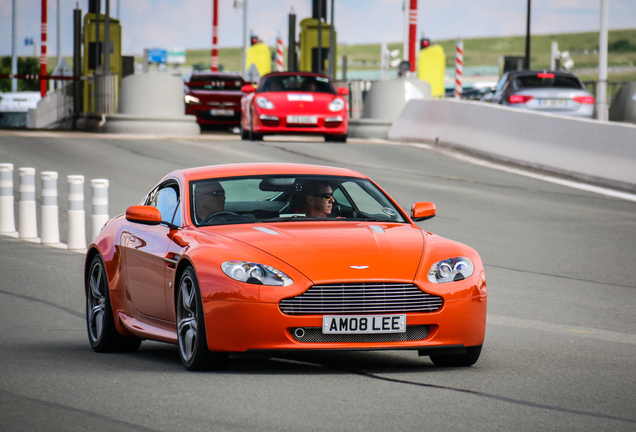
(215, 82)
(296, 83)
(289, 198)
(547, 80)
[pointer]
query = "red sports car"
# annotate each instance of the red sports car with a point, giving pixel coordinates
(294, 103)
(214, 98)
(267, 257)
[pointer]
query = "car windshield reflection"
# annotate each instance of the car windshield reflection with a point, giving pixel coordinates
(265, 199)
(307, 83)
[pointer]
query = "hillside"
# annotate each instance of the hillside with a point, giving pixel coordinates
(477, 51)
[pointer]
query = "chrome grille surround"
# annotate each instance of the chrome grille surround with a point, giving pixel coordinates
(315, 335)
(361, 298)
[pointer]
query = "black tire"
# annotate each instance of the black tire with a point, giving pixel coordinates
(336, 138)
(100, 323)
(191, 335)
(458, 360)
(245, 136)
(252, 135)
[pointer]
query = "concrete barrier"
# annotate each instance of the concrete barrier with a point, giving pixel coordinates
(598, 152)
(150, 103)
(383, 104)
(623, 106)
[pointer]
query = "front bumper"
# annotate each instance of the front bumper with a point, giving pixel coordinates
(241, 326)
(281, 126)
(204, 116)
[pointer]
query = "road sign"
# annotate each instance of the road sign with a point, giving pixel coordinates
(176, 56)
(157, 55)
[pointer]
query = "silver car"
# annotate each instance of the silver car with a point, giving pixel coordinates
(554, 92)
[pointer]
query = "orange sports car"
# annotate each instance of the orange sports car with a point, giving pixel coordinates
(268, 257)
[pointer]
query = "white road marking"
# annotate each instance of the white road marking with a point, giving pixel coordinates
(569, 330)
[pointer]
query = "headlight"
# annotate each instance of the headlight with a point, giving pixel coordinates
(254, 273)
(264, 103)
(189, 100)
(337, 104)
(450, 270)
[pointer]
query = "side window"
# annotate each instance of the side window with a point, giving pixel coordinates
(363, 200)
(502, 82)
(166, 199)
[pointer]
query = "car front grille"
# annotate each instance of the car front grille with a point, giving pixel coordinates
(361, 298)
(315, 335)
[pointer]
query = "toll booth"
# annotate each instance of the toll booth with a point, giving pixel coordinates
(90, 45)
(309, 45)
(431, 67)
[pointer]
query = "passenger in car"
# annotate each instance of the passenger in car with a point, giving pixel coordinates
(209, 199)
(309, 86)
(319, 200)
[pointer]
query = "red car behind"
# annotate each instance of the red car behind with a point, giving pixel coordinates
(214, 98)
(294, 103)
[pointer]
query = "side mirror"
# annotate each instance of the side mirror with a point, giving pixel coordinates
(248, 88)
(343, 91)
(421, 211)
(147, 215)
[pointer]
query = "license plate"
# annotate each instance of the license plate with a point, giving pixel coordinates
(352, 324)
(222, 112)
(302, 119)
(300, 97)
(552, 102)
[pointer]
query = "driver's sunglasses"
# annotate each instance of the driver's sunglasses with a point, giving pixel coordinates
(326, 196)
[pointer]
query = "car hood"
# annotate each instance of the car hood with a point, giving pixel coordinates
(299, 101)
(329, 252)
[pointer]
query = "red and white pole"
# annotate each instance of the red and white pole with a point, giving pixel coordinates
(459, 68)
(413, 34)
(279, 54)
(43, 49)
(215, 35)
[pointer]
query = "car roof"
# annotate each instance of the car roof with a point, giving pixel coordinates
(234, 75)
(248, 169)
(295, 73)
(535, 72)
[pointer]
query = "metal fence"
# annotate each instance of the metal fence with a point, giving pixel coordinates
(52, 109)
(612, 88)
(357, 92)
(106, 94)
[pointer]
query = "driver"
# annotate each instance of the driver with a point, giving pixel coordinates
(319, 200)
(209, 199)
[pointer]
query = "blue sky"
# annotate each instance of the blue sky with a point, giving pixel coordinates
(187, 23)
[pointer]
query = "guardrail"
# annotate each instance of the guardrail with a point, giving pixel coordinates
(27, 211)
(594, 151)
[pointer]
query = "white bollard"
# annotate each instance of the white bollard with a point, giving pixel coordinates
(7, 206)
(99, 190)
(50, 213)
(27, 222)
(76, 215)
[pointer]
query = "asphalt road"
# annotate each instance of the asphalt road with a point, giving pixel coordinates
(561, 338)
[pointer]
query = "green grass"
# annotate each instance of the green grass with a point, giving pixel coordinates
(477, 52)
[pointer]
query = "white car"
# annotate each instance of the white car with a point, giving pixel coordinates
(14, 107)
(554, 92)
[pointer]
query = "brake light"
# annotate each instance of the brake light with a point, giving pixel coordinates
(515, 99)
(545, 75)
(588, 100)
